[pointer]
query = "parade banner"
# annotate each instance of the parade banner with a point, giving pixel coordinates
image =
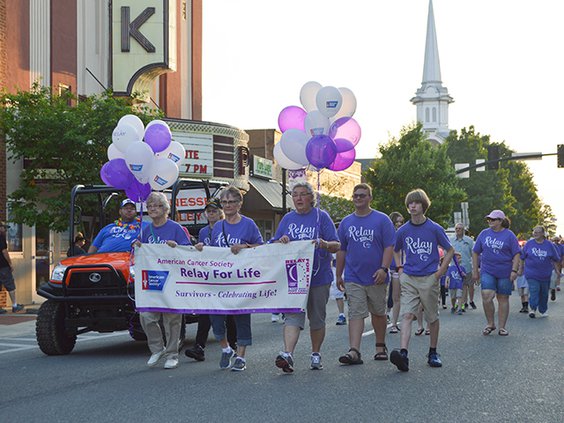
(272, 278)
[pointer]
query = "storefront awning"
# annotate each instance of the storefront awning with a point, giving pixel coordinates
(267, 195)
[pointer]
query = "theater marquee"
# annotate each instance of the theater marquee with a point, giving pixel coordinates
(143, 43)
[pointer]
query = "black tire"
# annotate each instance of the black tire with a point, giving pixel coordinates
(50, 330)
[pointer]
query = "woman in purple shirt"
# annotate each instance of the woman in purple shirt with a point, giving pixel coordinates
(539, 257)
(499, 250)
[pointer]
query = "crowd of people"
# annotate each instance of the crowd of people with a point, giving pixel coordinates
(383, 264)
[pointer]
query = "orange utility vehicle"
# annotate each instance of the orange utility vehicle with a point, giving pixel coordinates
(95, 292)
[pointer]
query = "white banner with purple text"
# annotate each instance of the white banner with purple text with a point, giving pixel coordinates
(271, 278)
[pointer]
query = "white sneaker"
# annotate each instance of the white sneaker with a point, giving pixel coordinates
(533, 314)
(171, 363)
(274, 318)
(545, 314)
(154, 359)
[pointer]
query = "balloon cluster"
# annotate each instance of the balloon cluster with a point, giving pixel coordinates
(323, 134)
(139, 167)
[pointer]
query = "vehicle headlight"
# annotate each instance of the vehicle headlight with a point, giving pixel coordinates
(131, 273)
(58, 272)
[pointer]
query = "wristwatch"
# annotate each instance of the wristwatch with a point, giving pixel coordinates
(385, 268)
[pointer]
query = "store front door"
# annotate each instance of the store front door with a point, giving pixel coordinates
(43, 255)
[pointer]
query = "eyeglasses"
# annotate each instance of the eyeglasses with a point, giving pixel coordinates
(489, 219)
(359, 195)
(229, 202)
(300, 194)
(155, 206)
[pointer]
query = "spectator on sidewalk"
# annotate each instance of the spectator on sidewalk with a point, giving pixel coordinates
(7, 272)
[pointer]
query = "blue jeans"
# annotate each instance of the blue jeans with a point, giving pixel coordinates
(538, 294)
(502, 286)
(242, 323)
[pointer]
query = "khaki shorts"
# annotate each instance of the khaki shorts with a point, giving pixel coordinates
(420, 290)
(467, 281)
(365, 299)
(316, 309)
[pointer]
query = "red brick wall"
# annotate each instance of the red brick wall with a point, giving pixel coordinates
(3, 78)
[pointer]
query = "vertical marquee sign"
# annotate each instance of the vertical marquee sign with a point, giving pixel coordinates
(142, 43)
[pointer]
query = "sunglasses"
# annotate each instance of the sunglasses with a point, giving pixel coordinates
(360, 195)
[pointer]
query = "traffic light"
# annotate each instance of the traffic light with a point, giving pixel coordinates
(560, 155)
(493, 157)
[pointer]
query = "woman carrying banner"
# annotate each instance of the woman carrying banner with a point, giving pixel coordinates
(307, 222)
(162, 230)
(236, 232)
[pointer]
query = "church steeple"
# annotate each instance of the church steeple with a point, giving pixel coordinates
(432, 99)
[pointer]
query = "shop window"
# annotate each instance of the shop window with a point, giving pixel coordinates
(265, 228)
(14, 234)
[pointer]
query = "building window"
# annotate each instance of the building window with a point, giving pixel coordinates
(14, 234)
(265, 228)
(434, 114)
(426, 114)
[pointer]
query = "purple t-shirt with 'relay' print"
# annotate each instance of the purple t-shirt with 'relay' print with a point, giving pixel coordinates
(420, 244)
(170, 231)
(312, 225)
(244, 232)
(498, 250)
(538, 259)
(364, 238)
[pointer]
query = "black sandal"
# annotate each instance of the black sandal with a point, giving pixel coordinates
(382, 355)
(349, 359)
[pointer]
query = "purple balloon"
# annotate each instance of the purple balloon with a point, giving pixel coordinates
(343, 145)
(115, 173)
(346, 128)
(137, 191)
(292, 117)
(158, 137)
(321, 151)
(343, 160)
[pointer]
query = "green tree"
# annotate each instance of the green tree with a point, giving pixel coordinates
(413, 162)
(485, 190)
(63, 142)
(510, 188)
(548, 220)
(337, 207)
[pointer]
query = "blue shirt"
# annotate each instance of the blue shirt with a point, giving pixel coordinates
(244, 232)
(204, 236)
(364, 239)
(455, 278)
(170, 231)
(420, 245)
(538, 259)
(497, 250)
(116, 238)
(312, 225)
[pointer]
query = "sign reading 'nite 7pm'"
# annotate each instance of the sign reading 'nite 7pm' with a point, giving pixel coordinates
(198, 160)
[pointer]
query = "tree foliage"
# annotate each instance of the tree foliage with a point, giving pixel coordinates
(413, 162)
(510, 188)
(62, 142)
(337, 207)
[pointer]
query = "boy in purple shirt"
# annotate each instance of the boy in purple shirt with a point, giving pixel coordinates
(419, 240)
(367, 237)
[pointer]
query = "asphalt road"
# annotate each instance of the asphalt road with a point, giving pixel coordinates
(518, 378)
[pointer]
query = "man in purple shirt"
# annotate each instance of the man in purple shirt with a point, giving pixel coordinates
(419, 240)
(367, 238)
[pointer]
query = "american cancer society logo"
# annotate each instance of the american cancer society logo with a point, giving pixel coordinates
(298, 275)
(153, 280)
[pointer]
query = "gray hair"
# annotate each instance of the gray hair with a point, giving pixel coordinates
(159, 198)
(309, 189)
(232, 191)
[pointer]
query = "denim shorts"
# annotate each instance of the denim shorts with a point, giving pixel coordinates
(502, 286)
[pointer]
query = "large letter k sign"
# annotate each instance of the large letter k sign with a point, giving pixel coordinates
(132, 29)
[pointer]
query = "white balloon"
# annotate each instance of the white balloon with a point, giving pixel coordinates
(308, 95)
(284, 161)
(123, 136)
(139, 159)
(135, 122)
(316, 124)
(293, 144)
(114, 153)
(175, 152)
(349, 104)
(329, 101)
(163, 174)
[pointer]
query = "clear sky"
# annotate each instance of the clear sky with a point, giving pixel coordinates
(501, 60)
